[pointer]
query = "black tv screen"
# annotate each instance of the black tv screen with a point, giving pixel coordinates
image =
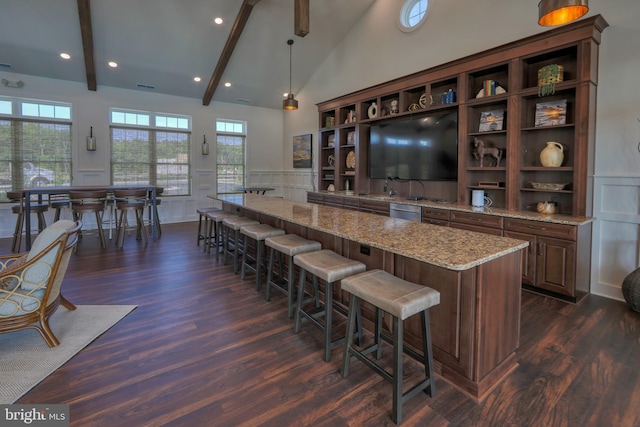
(424, 148)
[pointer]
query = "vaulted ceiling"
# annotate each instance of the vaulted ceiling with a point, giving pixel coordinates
(161, 45)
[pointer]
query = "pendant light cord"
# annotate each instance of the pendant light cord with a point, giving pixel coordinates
(290, 43)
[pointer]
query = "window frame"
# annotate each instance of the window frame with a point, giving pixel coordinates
(54, 164)
(128, 122)
(232, 132)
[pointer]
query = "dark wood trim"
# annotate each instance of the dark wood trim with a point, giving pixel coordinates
(86, 31)
(227, 51)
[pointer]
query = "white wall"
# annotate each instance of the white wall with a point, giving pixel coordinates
(264, 138)
(375, 51)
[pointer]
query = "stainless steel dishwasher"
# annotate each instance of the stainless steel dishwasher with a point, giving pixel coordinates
(403, 211)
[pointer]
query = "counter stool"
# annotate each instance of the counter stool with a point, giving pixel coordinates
(233, 224)
(401, 299)
(258, 233)
(152, 210)
(130, 200)
(288, 245)
(89, 202)
(202, 212)
(330, 267)
(213, 227)
(35, 208)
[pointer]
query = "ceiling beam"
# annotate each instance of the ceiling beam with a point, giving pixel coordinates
(301, 17)
(227, 51)
(86, 31)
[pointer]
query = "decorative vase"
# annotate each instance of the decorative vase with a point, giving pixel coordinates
(631, 290)
(372, 112)
(552, 155)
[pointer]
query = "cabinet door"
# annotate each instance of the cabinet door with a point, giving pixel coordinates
(477, 228)
(528, 257)
(555, 265)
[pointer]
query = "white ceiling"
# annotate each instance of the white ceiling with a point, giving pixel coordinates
(165, 43)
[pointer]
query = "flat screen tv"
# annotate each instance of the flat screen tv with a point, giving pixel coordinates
(424, 148)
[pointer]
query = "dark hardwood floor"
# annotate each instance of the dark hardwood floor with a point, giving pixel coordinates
(203, 348)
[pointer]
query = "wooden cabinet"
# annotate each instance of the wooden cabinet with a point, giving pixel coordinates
(481, 223)
(435, 216)
(551, 262)
(497, 95)
(372, 206)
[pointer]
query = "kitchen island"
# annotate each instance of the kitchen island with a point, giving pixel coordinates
(476, 327)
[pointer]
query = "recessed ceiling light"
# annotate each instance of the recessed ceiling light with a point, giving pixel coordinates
(113, 64)
(65, 55)
(197, 79)
(227, 84)
(218, 21)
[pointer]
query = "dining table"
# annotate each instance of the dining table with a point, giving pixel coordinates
(48, 191)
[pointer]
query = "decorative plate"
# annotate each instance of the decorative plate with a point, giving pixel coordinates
(351, 160)
(423, 100)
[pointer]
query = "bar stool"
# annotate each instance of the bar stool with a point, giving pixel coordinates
(202, 212)
(130, 200)
(330, 267)
(213, 227)
(233, 224)
(288, 245)
(59, 202)
(152, 210)
(35, 208)
(258, 233)
(401, 299)
(89, 202)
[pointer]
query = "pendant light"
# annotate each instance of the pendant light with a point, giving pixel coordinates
(558, 12)
(290, 103)
(91, 141)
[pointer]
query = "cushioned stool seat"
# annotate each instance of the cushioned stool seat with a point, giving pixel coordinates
(202, 212)
(401, 299)
(257, 232)
(288, 245)
(330, 267)
(213, 227)
(234, 224)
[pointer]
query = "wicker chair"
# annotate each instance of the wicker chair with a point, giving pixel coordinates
(30, 282)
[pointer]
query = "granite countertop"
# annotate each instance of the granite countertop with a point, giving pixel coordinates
(445, 247)
(452, 206)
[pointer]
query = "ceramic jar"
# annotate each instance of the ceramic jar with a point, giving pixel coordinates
(372, 112)
(552, 155)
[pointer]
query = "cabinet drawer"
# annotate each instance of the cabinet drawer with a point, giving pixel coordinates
(441, 214)
(336, 201)
(351, 203)
(374, 207)
(441, 222)
(314, 198)
(549, 229)
(477, 219)
(478, 228)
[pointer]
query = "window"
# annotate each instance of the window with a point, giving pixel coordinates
(230, 141)
(412, 14)
(151, 148)
(35, 144)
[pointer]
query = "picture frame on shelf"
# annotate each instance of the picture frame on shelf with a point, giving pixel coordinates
(331, 141)
(302, 151)
(491, 120)
(351, 138)
(551, 113)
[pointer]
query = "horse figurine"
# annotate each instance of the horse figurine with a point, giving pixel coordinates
(480, 151)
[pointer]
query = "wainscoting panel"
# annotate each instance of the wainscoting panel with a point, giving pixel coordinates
(616, 233)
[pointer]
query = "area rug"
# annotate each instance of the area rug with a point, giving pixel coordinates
(25, 359)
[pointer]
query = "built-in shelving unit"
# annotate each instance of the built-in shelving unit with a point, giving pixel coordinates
(502, 81)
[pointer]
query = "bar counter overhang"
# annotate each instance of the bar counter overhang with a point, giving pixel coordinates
(475, 328)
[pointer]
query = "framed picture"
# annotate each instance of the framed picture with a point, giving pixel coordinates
(302, 151)
(551, 113)
(491, 120)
